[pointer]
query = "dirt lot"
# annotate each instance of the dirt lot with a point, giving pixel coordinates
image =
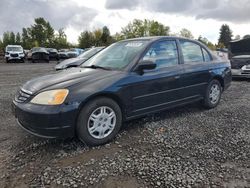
(184, 147)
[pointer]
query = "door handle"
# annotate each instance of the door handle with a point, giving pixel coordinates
(177, 77)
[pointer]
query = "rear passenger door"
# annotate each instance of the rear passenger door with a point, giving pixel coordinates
(196, 63)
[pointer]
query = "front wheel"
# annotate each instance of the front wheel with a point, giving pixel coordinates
(99, 121)
(213, 94)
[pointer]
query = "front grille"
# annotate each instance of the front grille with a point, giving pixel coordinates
(246, 72)
(22, 96)
(14, 55)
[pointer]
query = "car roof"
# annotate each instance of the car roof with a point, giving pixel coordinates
(154, 38)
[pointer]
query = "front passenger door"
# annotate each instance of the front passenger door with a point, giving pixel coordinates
(157, 89)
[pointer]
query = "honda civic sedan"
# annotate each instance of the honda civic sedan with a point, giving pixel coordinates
(127, 80)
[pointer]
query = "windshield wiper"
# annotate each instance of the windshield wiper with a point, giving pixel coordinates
(97, 67)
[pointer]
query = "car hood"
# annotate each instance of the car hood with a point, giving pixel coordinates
(67, 62)
(67, 78)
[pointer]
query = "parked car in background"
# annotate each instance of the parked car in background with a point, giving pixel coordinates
(79, 51)
(14, 53)
(63, 54)
(29, 55)
(26, 53)
(53, 54)
(126, 80)
(75, 62)
(222, 53)
(40, 54)
(239, 55)
(72, 53)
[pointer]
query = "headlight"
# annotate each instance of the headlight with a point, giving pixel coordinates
(52, 97)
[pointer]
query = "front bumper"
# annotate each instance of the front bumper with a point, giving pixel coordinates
(46, 121)
(14, 58)
(239, 73)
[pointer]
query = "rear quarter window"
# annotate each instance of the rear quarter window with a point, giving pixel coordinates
(192, 52)
(207, 57)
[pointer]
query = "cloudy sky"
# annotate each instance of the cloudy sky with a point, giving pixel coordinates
(202, 17)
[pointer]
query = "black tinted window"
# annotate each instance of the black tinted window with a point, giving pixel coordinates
(191, 52)
(163, 53)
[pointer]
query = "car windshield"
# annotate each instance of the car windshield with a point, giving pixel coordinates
(118, 55)
(63, 50)
(16, 49)
(90, 53)
(39, 49)
(51, 50)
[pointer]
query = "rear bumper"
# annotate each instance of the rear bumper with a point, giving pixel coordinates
(46, 121)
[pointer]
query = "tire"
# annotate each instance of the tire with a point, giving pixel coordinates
(99, 125)
(213, 94)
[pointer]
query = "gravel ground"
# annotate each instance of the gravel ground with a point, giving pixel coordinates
(183, 147)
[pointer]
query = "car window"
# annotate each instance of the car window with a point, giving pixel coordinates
(191, 52)
(206, 55)
(163, 53)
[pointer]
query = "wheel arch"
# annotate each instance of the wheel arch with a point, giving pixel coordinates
(220, 79)
(112, 96)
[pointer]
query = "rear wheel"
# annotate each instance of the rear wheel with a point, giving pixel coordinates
(99, 121)
(213, 94)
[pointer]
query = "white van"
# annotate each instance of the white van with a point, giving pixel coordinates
(14, 52)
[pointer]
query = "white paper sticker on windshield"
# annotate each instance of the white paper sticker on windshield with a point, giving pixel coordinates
(134, 44)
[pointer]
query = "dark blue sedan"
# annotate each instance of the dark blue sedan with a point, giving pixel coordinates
(127, 80)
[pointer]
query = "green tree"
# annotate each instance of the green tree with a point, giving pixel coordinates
(86, 39)
(50, 34)
(1, 46)
(106, 38)
(226, 35)
(12, 38)
(134, 29)
(26, 39)
(97, 37)
(220, 45)
(154, 28)
(60, 40)
(205, 41)
(186, 33)
(18, 38)
(41, 32)
(140, 28)
(118, 37)
(6, 38)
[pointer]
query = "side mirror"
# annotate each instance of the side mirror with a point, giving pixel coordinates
(145, 65)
